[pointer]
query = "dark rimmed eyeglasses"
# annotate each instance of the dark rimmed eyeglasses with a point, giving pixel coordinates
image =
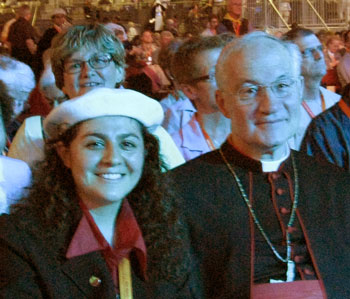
(96, 62)
(310, 51)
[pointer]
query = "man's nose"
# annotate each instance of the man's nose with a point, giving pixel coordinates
(317, 54)
(268, 101)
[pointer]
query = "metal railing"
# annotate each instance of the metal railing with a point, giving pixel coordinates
(308, 13)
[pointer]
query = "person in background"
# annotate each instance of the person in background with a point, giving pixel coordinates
(98, 219)
(166, 37)
(197, 126)
(146, 48)
(15, 175)
(171, 26)
(264, 219)
(315, 98)
(109, 23)
(343, 67)
(158, 13)
(212, 26)
(83, 58)
(5, 32)
(19, 80)
(59, 20)
(327, 138)
(193, 21)
(233, 21)
(22, 37)
(332, 57)
(132, 32)
(174, 93)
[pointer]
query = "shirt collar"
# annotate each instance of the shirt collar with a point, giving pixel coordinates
(128, 237)
(235, 157)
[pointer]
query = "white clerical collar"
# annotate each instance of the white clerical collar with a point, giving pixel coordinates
(270, 166)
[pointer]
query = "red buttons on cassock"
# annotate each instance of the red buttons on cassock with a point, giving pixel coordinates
(284, 210)
(280, 191)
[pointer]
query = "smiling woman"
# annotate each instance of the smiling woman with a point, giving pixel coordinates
(98, 220)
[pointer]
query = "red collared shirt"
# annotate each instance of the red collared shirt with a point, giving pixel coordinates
(127, 238)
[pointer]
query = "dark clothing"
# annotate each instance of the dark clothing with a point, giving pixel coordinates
(33, 266)
(221, 230)
(227, 25)
(20, 31)
(328, 137)
(43, 45)
(45, 41)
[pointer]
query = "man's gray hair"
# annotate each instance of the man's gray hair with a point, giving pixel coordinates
(246, 42)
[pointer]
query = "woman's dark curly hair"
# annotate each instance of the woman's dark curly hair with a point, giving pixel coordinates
(54, 203)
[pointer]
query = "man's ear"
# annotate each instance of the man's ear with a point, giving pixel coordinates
(221, 103)
(189, 91)
(64, 154)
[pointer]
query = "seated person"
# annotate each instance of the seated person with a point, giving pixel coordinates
(98, 219)
(328, 135)
(83, 58)
(15, 175)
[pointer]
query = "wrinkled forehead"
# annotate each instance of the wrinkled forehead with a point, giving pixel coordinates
(259, 62)
(307, 42)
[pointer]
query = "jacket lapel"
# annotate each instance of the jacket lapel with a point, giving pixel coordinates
(90, 274)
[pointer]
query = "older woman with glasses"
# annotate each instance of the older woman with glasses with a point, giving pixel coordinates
(98, 222)
(83, 58)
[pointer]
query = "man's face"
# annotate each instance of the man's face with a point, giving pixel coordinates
(59, 19)
(234, 7)
(313, 63)
(214, 23)
(263, 118)
(147, 37)
(203, 91)
(334, 45)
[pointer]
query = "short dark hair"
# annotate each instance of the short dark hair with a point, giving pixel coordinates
(296, 33)
(184, 65)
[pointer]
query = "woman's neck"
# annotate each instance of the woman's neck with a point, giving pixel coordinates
(105, 219)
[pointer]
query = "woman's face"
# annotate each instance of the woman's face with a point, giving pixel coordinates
(88, 78)
(106, 159)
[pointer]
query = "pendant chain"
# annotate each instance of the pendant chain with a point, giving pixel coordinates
(252, 213)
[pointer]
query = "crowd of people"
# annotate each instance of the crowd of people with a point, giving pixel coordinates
(209, 165)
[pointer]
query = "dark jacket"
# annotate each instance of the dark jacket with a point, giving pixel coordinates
(32, 267)
(219, 223)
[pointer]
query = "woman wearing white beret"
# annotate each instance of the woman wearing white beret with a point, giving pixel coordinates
(98, 222)
(83, 58)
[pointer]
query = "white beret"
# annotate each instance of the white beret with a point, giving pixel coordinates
(104, 102)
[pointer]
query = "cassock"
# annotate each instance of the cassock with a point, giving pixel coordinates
(231, 254)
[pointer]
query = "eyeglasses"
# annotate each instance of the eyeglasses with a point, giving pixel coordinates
(310, 51)
(282, 88)
(96, 62)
